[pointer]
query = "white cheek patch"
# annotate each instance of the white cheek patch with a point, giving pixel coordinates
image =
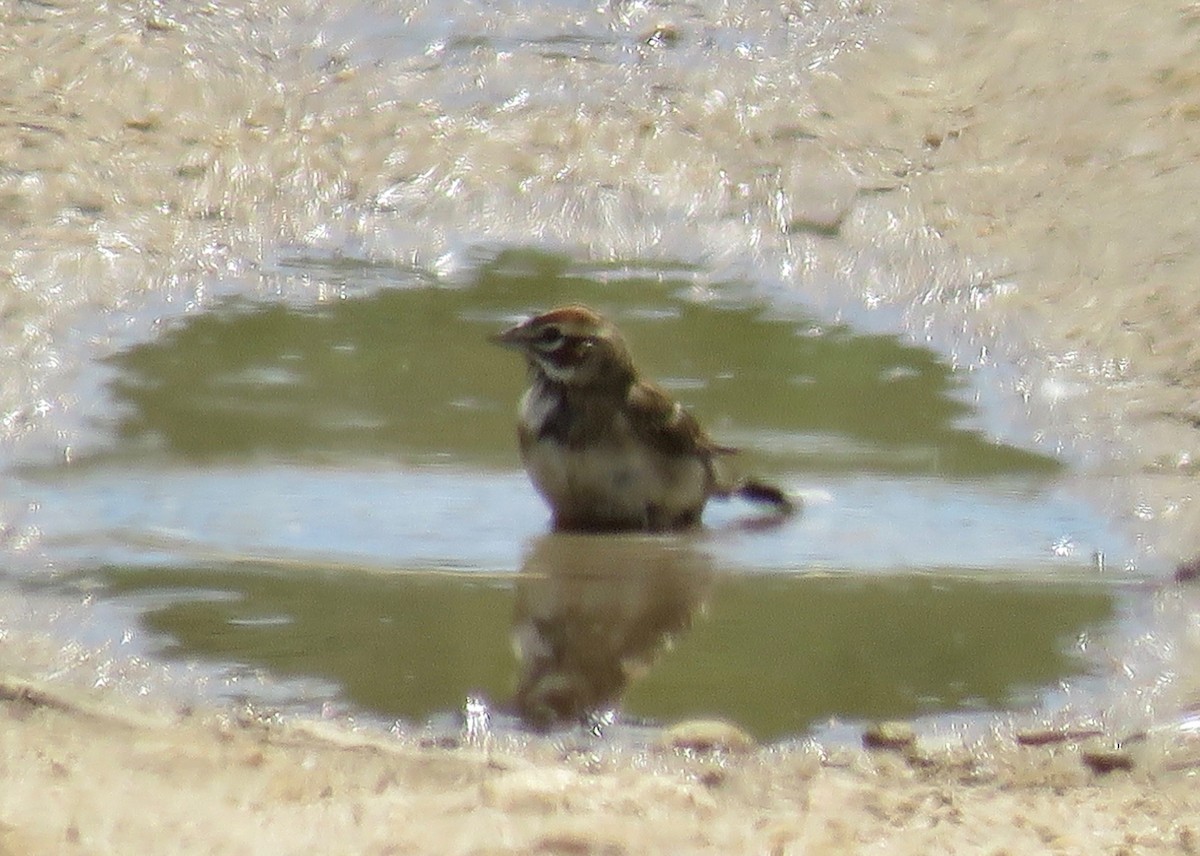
(535, 408)
(560, 374)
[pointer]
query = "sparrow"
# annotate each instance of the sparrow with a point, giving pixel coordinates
(607, 449)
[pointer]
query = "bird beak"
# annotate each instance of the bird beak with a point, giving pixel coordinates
(513, 337)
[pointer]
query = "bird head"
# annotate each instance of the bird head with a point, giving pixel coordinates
(572, 345)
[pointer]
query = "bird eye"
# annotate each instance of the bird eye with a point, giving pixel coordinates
(548, 339)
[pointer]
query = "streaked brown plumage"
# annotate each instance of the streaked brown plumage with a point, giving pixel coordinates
(605, 448)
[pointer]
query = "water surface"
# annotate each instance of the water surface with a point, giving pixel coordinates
(329, 492)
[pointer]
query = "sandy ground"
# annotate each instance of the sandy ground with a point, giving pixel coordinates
(1057, 143)
(83, 778)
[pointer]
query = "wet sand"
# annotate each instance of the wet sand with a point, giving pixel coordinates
(1058, 148)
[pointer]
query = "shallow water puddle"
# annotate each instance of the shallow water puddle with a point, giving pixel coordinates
(331, 492)
(774, 653)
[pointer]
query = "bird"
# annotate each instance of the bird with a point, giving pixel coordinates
(607, 449)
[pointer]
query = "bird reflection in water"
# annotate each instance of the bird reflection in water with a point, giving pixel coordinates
(593, 613)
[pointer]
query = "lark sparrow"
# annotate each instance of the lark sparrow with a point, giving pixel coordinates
(605, 448)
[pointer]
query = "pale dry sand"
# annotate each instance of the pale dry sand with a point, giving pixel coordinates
(80, 777)
(1056, 141)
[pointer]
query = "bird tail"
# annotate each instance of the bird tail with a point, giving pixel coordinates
(767, 494)
(763, 494)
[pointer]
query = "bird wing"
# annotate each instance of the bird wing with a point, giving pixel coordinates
(661, 421)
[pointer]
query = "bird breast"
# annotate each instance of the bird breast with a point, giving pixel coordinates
(613, 478)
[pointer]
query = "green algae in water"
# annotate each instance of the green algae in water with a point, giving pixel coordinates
(775, 653)
(775, 630)
(407, 373)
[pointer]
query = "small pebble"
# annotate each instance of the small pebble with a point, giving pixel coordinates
(663, 36)
(1106, 760)
(893, 736)
(707, 735)
(1188, 571)
(1048, 736)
